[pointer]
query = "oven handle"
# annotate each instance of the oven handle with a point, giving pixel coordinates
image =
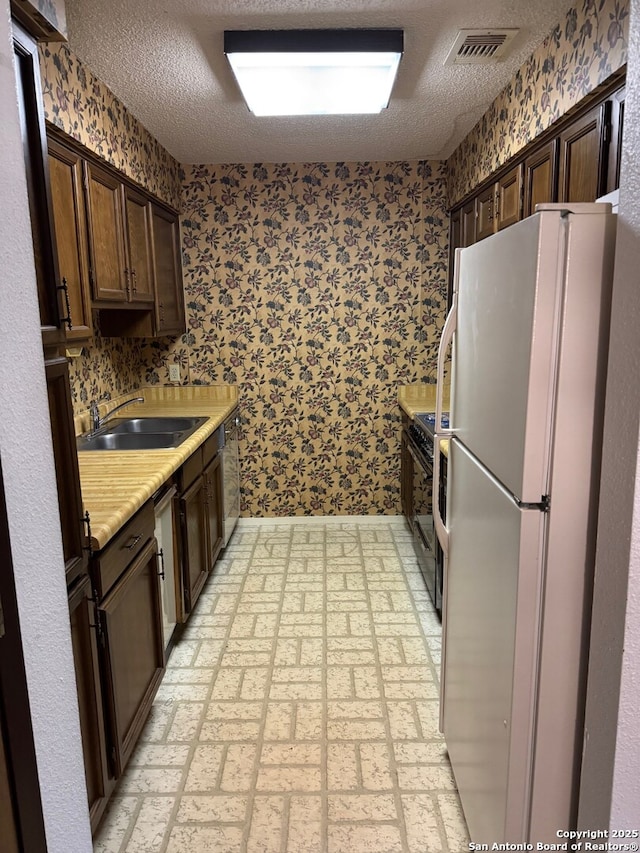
(445, 340)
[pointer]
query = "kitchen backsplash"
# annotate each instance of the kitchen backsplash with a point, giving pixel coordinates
(581, 52)
(107, 368)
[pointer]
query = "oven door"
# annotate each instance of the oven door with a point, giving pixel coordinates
(423, 527)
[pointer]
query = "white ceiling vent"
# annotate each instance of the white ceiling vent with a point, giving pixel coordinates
(480, 47)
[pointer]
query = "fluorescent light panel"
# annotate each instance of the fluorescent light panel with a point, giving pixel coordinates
(314, 72)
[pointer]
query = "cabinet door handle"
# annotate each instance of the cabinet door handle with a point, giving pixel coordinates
(127, 274)
(65, 289)
(134, 541)
(161, 570)
(135, 280)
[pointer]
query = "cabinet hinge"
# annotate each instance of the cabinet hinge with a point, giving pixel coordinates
(2, 629)
(87, 523)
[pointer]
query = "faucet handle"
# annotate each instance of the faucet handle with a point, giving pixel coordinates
(94, 415)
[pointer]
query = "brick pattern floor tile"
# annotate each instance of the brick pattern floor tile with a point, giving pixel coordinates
(299, 710)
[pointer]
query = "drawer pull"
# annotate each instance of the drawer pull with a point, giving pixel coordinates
(134, 541)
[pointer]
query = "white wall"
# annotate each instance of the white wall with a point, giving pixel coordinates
(610, 791)
(29, 479)
(625, 801)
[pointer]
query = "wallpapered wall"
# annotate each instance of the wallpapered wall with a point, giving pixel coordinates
(304, 281)
(318, 289)
(76, 101)
(581, 52)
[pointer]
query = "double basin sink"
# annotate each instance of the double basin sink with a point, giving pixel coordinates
(141, 433)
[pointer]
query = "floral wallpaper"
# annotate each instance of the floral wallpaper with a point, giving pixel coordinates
(581, 52)
(76, 101)
(317, 289)
(107, 368)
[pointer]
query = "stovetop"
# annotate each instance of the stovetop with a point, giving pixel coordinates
(427, 421)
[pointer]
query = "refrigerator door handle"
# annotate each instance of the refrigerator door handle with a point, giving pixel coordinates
(445, 340)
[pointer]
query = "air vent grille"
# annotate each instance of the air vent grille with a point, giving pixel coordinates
(475, 47)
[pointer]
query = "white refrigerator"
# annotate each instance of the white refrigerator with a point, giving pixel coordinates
(529, 326)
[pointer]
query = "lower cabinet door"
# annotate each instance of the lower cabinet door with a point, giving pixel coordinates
(85, 658)
(131, 618)
(213, 481)
(194, 551)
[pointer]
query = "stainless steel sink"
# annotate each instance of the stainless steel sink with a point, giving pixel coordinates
(146, 425)
(141, 434)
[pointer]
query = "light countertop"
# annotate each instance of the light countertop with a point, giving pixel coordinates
(116, 483)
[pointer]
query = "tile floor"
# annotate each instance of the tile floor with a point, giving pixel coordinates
(299, 711)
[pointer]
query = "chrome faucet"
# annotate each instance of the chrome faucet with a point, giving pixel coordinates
(97, 421)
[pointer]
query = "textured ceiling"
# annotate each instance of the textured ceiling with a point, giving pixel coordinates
(165, 62)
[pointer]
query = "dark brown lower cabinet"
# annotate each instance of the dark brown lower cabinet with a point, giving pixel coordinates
(406, 476)
(66, 463)
(213, 488)
(131, 621)
(21, 821)
(84, 641)
(201, 520)
(193, 524)
(8, 819)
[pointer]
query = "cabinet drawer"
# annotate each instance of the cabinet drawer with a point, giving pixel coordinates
(191, 469)
(211, 447)
(124, 547)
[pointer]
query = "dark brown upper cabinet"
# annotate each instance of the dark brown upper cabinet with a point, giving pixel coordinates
(499, 204)
(615, 142)
(119, 240)
(468, 223)
(540, 176)
(45, 21)
(583, 156)
(509, 198)
(138, 245)
(65, 174)
(107, 272)
(485, 212)
(167, 271)
(38, 190)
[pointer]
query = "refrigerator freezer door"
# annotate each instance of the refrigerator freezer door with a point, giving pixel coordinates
(505, 350)
(490, 627)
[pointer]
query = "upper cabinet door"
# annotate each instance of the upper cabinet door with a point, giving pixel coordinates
(486, 213)
(167, 271)
(29, 96)
(138, 249)
(109, 281)
(615, 144)
(583, 157)
(65, 175)
(509, 198)
(540, 177)
(469, 223)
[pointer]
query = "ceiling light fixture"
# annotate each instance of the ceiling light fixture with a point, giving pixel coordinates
(314, 72)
